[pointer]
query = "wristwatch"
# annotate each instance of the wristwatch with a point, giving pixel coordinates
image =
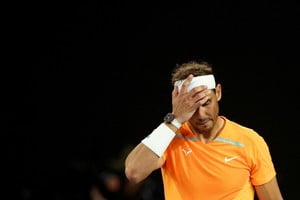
(171, 119)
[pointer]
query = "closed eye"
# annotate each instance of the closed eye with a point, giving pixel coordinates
(207, 102)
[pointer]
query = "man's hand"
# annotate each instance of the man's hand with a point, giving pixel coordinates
(184, 104)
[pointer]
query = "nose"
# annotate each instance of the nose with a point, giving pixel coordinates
(199, 113)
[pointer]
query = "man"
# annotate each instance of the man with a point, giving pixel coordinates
(201, 154)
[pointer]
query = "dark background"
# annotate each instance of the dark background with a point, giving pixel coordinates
(82, 81)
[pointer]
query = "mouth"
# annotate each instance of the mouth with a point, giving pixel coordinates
(202, 122)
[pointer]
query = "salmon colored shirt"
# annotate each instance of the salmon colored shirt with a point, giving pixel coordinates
(224, 169)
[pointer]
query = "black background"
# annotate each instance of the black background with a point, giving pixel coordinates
(83, 80)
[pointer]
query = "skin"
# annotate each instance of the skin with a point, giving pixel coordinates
(199, 107)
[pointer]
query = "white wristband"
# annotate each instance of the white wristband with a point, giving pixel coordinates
(159, 139)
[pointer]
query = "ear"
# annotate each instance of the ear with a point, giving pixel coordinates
(219, 92)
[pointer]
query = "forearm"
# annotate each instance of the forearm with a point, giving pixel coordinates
(147, 156)
(140, 163)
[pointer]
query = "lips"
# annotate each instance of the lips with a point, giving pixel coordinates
(202, 122)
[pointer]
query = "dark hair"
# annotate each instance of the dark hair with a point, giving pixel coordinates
(196, 68)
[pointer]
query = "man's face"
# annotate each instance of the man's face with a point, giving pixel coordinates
(206, 115)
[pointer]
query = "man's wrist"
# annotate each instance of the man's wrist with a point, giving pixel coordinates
(159, 139)
(170, 118)
(176, 123)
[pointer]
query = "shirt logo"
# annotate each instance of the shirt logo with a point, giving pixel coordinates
(187, 151)
(228, 159)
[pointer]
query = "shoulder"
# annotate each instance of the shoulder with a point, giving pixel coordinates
(239, 131)
(238, 127)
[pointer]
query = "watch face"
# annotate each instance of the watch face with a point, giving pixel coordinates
(169, 118)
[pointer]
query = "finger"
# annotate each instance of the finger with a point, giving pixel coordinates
(200, 102)
(201, 94)
(199, 90)
(175, 91)
(186, 83)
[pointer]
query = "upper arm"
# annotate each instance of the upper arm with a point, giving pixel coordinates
(269, 190)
